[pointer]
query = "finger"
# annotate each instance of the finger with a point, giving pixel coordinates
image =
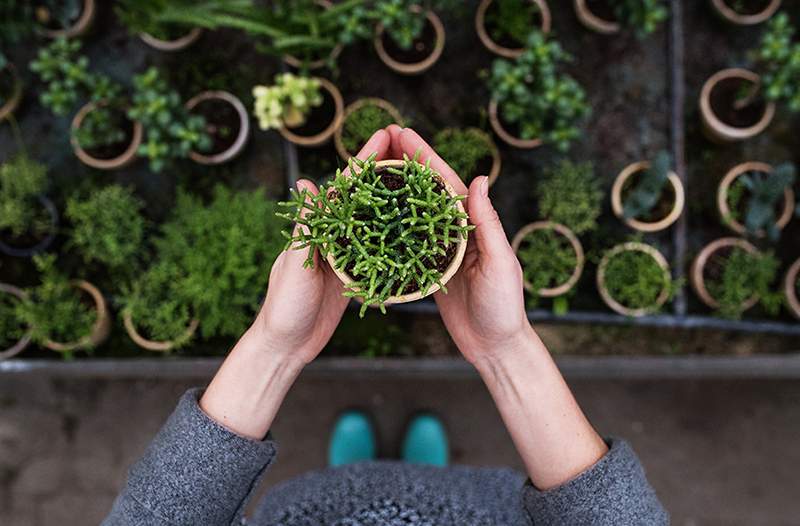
(300, 255)
(489, 234)
(395, 152)
(411, 143)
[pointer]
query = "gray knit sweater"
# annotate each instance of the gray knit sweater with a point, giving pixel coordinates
(195, 472)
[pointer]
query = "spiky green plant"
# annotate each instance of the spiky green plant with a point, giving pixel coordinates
(741, 276)
(570, 194)
(759, 194)
(462, 149)
(779, 58)
(392, 230)
(359, 126)
(636, 280)
(648, 187)
(21, 180)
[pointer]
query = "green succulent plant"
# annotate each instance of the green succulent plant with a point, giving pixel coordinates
(22, 180)
(779, 58)
(741, 276)
(548, 260)
(636, 280)
(462, 149)
(512, 20)
(401, 24)
(759, 195)
(570, 194)
(359, 126)
(288, 102)
(642, 16)
(648, 188)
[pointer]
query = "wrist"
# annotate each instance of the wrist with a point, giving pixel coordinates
(507, 354)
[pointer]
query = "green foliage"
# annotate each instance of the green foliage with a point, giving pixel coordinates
(462, 149)
(643, 16)
(107, 226)
(401, 24)
(391, 230)
(570, 194)
(512, 19)
(764, 192)
(535, 96)
(11, 327)
(648, 187)
(547, 258)
(780, 62)
(21, 180)
(635, 279)
(288, 102)
(741, 276)
(16, 24)
(359, 126)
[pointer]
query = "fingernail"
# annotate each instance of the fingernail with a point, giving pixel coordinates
(484, 188)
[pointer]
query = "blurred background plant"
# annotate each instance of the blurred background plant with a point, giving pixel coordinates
(287, 102)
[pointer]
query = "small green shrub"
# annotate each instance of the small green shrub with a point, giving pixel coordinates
(12, 329)
(511, 19)
(570, 194)
(643, 16)
(462, 149)
(401, 24)
(288, 102)
(779, 58)
(741, 276)
(21, 180)
(647, 188)
(763, 193)
(635, 279)
(548, 259)
(359, 126)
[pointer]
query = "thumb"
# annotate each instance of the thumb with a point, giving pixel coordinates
(489, 234)
(301, 255)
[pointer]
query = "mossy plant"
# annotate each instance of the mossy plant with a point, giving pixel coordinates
(22, 180)
(548, 260)
(288, 102)
(359, 126)
(779, 58)
(636, 280)
(462, 149)
(741, 276)
(570, 194)
(394, 231)
(642, 16)
(648, 188)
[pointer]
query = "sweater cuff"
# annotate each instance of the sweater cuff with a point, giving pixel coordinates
(614, 491)
(197, 472)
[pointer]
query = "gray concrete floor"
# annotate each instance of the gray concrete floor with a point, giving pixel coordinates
(717, 452)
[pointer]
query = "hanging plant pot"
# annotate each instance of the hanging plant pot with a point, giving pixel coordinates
(569, 239)
(792, 289)
(341, 137)
(158, 346)
(731, 217)
(762, 12)
(706, 263)
(32, 244)
(505, 135)
(424, 53)
(320, 62)
(110, 157)
(100, 329)
(726, 115)
(10, 90)
(602, 23)
(25, 340)
(227, 123)
(323, 121)
(78, 27)
(668, 209)
(177, 44)
(504, 49)
(650, 256)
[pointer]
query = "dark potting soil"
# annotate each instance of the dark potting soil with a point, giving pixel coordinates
(222, 123)
(6, 85)
(482, 167)
(662, 208)
(723, 103)
(420, 49)
(603, 9)
(500, 35)
(748, 7)
(319, 118)
(61, 18)
(112, 151)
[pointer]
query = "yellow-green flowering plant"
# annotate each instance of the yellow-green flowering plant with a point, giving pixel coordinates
(288, 102)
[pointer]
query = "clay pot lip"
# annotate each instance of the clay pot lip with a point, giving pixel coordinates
(351, 108)
(732, 16)
(644, 226)
(81, 25)
(697, 278)
(16, 94)
(172, 45)
(497, 126)
(244, 127)
(100, 329)
(325, 135)
(576, 246)
(414, 68)
(719, 129)
(319, 63)
(23, 342)
(122, 160)
(452, 268)
(613, 303)
(152, 345)
(44, 244)
(594, 22)
(494, 47)
(790, 288)
(722, 198)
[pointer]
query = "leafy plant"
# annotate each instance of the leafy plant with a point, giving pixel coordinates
(511, 19)
(21, 180)
(359, 126)
(741, 276)
(763, 192)
(779, 57)
(570, 194)
(462, 149)
(648, 187)
(535, 96)
(547, 258)
(636, 280)
(401, 24)
(392, 230)
(643, 16)
(11, 327)
(288, 102)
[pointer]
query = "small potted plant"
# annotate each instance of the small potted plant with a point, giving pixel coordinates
(408, 38)
(503, 25)
(731, 276)
(392, 231)
(746, 12)
(755, 199)
(533, 102)
(10, 88)
(65, 19)
(14, 335)
(648, 197)
(791, 287)
(361, 119)
(28, 219)
(146, 20)
(570, 194)
(470, 152)
(634, 279)
(607, 17)
(227, 124)
(310, 58)
(305, 110)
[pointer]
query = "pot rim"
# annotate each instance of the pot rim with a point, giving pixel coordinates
(24, 252)
(244, 127)
(325, 135)
(714, 125)
(319, 63)
(80, 26)
(565, 231)
(732, 16)
(122, 160)
(594, 22)
(100, 329)
(790, 287)
(494, 47)
(613, 303)
(645, 226)
(178, 44)
(351, 108)
(697, 278)
(414, 68)
(497, 126)
(16, 94)
(23, 342)
(153, 345)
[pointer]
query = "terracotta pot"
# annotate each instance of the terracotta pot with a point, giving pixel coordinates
(244, 127)
(121, 161)
(725, 210)
(594, 22)
(319, 63)
(81, 25)
(157, 346)
(417, 67)
(614, 304)
(643, 226)
(494, 47)
(352, 108)
(455, 264)
(325, 135)
(15, 97)
(715, 128)
(100, 329)
(44, 244)
(734, 17)
(497, 126)
(576, 246)
(23, 342)
(697, 274)
(790, 288)
(172, 45)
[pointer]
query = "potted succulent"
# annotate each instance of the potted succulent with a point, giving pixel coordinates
(533, 102)
(66, 18)
(392, 231)
(610, 16)
(145, 19)
(28, 219)
(408, 38)
(791, 287)
(14, 335)
(503, 25)
(731, 276)
(570, 194)
(746, 12)
(305, 110)
(470, 152)
(634, 279)
(648, 197)
(10, 88)
(360, 120)
(227, 124)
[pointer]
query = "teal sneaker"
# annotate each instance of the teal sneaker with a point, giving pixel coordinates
(353, 439)
(426, 441)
